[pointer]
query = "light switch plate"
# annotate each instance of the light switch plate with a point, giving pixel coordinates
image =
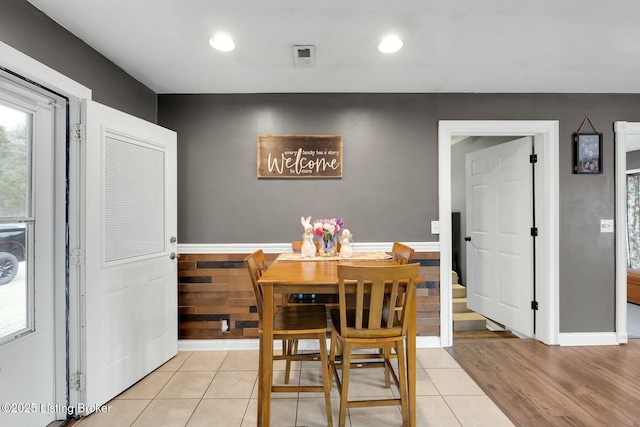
(435, 227)
(606, 226)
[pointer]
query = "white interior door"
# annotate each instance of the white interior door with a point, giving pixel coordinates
(499, 220)
(130, 284)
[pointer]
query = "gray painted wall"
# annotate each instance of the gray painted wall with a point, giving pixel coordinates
(28, 30)
(389, 189)
(390, 173)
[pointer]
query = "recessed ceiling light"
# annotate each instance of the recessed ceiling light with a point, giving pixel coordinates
(222, 42)
(390, 44)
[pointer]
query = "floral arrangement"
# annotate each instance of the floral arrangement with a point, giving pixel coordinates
(328, 231)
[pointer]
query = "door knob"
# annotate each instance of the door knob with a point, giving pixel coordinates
(173, 239)
(467, 239)
(173, 255)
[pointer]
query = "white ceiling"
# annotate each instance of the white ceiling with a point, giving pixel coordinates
(449, 45)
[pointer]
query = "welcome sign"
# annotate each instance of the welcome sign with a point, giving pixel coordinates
(299, 156)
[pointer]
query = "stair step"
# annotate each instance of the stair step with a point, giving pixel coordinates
(458, 291)
(460, 305)
(470, 321)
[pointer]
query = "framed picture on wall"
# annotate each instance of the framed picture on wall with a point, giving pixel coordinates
(587, 153)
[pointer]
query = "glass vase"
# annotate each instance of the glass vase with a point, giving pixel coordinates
(328, 246)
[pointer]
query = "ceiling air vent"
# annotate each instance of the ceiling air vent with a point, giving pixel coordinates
(304, 56)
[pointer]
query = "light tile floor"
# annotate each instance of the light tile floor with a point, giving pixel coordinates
(218, 388)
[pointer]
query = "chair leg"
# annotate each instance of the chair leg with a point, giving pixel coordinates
(286, 350)
(332, 348)
(332, 356)
(326, 379)
(260, 371)
(404, 395)
(344, 390)
(387, 367)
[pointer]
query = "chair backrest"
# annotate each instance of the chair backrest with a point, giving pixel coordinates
(256, 265)
(376, 316)
(402, 254)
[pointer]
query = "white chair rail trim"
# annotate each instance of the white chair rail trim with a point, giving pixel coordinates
(244, 248)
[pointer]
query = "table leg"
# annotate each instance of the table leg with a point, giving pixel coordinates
(267, 356)
(260, 371)
(411, 362)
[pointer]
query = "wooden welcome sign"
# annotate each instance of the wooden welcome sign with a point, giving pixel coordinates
(299, 156)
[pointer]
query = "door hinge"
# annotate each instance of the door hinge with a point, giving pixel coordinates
(533, 158)
(77, 133)
(77, 381)
(76, 256)
(534, 231)
(534, 305)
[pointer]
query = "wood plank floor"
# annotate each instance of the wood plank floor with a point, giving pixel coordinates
(482, 335)
(539, 385)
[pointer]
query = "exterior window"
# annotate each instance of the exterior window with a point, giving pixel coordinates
(633, 221)
(16, 221)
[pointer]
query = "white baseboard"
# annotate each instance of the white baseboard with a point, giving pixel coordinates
(428, 342)
(587, 338)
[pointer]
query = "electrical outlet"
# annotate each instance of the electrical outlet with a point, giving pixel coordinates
(435, 227)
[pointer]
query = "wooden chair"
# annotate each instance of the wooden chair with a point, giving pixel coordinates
(372, 325)
(402, 254)
(292, 323)
(302, 299)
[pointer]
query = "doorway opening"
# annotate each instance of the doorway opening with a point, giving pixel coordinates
(627, 151)
(39, 76)
(545, 136)
(32, 220)
(633, 237)
(492, 218)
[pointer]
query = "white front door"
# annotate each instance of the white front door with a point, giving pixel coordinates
(499, 219)
(130, 283)
(32, 123)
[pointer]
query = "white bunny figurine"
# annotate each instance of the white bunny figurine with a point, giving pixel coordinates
(308, 248)
(346, 250)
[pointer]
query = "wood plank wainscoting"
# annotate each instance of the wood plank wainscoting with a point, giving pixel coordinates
(217, 287)
(633, 286)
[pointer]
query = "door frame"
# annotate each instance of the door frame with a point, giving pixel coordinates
(546, 134)
(622, 131)
(65, 329)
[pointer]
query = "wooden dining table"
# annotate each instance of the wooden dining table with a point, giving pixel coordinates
(315, 276)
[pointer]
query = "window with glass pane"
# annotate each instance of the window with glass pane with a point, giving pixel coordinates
(16, 221)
